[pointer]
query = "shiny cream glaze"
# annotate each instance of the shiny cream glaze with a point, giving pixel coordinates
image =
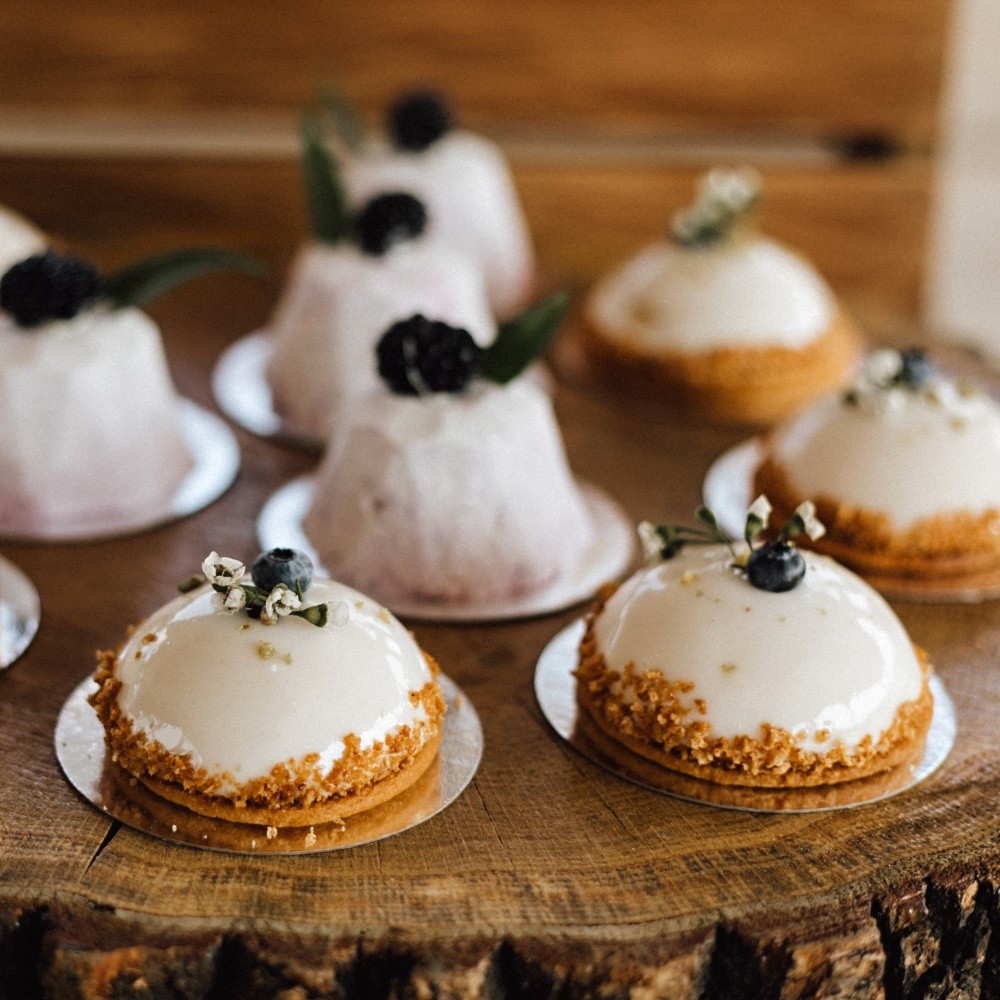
(472, 205)
(903, 454)
(89, 418)
(829, 654)
(337, 304)
(455, 498)
(203, 688)
(750, 291)
(18, 239)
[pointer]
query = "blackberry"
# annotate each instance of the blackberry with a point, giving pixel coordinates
(288, 566)
(389, 219)
(917, 368)
(48, 286)
(419, 355)
(418, 119)
(775, 567)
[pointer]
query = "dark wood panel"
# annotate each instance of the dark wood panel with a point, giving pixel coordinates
(807, 67)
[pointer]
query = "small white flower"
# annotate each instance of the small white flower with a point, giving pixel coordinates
(882, 366)
(761, 509)
(236, 599)
(340, 614)
(811, 524)
(652, 544)
(281, 601)
(222, 570)
(737, 190)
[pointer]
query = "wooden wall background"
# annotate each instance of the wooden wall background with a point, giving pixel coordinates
(122, 123)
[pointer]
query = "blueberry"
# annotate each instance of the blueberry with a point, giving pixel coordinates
(48, 286)
(419, 355)
(418, 119)
(775, 567)
(916, 370)
(288, 566)
(389, 219)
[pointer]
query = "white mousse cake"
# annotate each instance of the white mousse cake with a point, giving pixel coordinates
(282, 722)
(90, 417)
(904, 469)
(727, 323)
(339, 300)
(694, 668)
(450, 498)
(18, 238)
(466, 185)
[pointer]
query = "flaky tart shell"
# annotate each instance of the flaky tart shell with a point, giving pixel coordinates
(731, 385)
(947, 548)
(294, 793)
(661, 725)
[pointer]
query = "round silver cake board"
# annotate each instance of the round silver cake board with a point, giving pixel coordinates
(728, 491)
(20, 612)
(83, 757)
(240, 387)
(279, 525)
(555, 689)
(215, 457)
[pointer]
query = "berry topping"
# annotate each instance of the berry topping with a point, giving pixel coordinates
(389, 219)
(419, 355)
(776, 567)
(48, 286)
(916, 368)
(288, 566)
(418, 119)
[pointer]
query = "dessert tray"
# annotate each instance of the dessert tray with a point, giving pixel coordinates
(216, 458)
(20, 612)
(83, 757)
(239, 384)
(728, 491)
(280, 525)
(555, 689)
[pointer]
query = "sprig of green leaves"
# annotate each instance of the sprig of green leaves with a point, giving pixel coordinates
(523, 339)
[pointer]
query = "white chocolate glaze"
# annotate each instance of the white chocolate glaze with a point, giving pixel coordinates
(912, 456)
(747, 292)
(90, 421)
(455, 498)
(471, 202)
(18, 239)
(829, 654)
(337, 304)
(206, 687)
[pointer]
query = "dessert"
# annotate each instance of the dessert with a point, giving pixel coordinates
(903, 467)
(18, 239)
(286, 701)
(754, 665)
(721, 322)
(357, 276)
(464, 180)
(90, 416)
(447, 487)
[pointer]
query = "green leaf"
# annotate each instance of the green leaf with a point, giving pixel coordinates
(524, 339)
(145, 280)
(325, 200)
(343, 114)
(318, 614)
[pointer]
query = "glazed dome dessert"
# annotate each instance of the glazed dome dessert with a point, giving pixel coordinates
(345, 287)
(904, 468)
(288, 702)
(464, 181)
(721, 322)
(18, 239)
(448, 488)
(763, 668)
(90, 416)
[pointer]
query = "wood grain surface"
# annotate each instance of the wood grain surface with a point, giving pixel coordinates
(548, 877)
(787, 67)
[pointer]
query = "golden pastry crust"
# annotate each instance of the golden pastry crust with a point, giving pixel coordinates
(732, 385)
(947, 547)
(293, 793)
(658, 723)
